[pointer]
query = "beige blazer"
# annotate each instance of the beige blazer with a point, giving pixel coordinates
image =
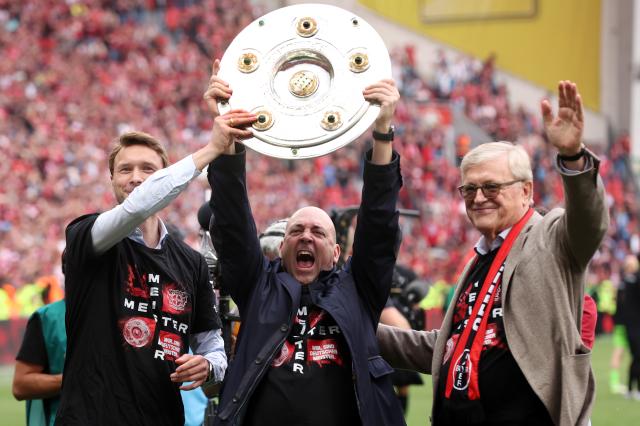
(543, 290)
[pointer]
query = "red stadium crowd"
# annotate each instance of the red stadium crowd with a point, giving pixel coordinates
(76, 74)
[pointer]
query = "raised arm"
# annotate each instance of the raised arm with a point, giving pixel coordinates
(233, 229)
(586, 220)
(164, 185)
(374, 246)
(385, 94)
(154, 194)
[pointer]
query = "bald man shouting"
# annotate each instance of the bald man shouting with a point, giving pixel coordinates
(307, 352)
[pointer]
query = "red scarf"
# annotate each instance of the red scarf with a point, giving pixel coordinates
(464, 363)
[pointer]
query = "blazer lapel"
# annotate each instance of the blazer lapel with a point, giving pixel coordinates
(515, 254)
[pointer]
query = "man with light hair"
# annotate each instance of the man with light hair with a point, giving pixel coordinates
(509, 351)
(517, 159)
(137, 297)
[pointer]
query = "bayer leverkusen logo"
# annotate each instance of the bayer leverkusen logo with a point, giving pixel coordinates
(177, 299)
(462, 370)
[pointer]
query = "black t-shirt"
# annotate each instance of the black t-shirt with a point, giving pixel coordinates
(506, 396)
(309, 383)
(130, 312)
(33, 349)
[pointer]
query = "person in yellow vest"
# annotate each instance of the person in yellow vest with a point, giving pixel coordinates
(29, 298)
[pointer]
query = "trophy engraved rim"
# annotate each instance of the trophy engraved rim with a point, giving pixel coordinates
(306, 80)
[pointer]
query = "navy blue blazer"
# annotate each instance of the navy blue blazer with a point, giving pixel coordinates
(268, 297)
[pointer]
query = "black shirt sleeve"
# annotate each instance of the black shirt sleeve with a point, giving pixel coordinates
(377, 229)
(233, 229)
(33, 349)
(79, 249)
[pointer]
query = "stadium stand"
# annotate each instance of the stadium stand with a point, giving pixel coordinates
(75, 74)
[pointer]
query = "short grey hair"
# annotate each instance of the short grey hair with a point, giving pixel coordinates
(518, 159)
(272, 237)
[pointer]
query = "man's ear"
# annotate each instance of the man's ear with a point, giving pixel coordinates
(527, 187)
(336, 253)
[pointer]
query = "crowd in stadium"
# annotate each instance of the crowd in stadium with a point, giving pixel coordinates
(77, 74)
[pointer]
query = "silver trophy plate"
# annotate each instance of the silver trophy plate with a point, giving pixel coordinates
(302, 69)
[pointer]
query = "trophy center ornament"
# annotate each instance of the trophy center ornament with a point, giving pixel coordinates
(303, 84)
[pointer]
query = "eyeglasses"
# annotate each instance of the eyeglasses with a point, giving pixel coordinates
(489, 190)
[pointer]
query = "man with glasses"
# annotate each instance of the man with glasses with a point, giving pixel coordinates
(509, 351)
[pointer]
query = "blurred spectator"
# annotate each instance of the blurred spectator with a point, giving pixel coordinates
(620, 341)
(38, 373)
(631, 320)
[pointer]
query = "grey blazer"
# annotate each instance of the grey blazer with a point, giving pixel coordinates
(543, 290)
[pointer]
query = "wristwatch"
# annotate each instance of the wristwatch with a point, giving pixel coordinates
(211, 386)
(574, 157)
(384, 137)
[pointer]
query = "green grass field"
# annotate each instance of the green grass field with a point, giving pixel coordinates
(610, 410)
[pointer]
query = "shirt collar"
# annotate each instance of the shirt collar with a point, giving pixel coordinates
(482, 247)
(137, 236)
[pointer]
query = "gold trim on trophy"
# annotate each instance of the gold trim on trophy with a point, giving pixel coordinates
(307, 27)
(264, 121)
(248, 62)
(331, 120)
(359, 62)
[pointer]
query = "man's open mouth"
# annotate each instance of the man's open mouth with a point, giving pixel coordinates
(305, 259)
